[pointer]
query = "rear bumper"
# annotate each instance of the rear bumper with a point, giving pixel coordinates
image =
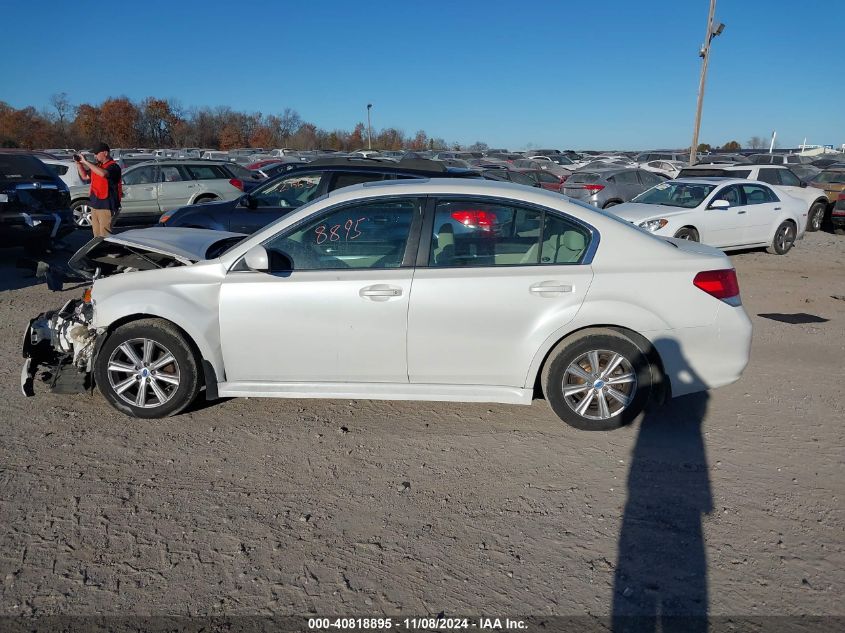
(20, 228)
(702, 358)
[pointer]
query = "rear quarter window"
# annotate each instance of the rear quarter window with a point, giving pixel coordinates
(14, 168)
(206, 172)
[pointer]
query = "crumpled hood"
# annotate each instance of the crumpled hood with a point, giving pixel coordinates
(637, 212)
(188, 245)
(148, 249)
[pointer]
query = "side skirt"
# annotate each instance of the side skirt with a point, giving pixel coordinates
(377, 391)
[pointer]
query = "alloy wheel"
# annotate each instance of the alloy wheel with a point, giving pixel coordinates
(82, 215)
(143, 373)
(599, 384)
(785, 238)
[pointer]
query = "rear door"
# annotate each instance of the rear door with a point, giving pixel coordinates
(175, 187)
(493, 281)
(627, 184)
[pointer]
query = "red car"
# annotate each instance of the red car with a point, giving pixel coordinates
(263, 163)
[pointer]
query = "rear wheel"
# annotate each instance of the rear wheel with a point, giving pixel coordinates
(612, 203)
(597, 380)
(783, 240)
(81, 213)
(815, 217)
(146, 369)
(205, 199)
(687, 233)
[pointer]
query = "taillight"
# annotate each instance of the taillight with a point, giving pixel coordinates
(593, 188)
(235, 182)
(721, 284)
(475, 218)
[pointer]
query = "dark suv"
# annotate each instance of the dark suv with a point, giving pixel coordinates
(34, 203)
(302, 183)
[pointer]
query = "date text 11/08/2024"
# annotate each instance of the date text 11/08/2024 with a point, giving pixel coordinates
(425, 623)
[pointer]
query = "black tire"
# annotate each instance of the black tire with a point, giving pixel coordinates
(578, 350)
(164, 339)
(815, 216)
(612, 203)
(204, 199)
(783, 239)
(839, 231)
(37, 247)
(687, 233)
(81, 213)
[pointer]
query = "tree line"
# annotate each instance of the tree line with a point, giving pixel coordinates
(154, 122)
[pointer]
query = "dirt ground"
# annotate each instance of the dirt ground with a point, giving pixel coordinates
(728, 503)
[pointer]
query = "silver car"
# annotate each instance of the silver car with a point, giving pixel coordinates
(605, 188)
(151, 188)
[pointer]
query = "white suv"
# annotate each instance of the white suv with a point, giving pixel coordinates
(782, 178)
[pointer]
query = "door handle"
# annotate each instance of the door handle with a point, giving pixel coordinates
(777, 208)
(380, 292)
(740, 212)
(149, 188)
(550, 287)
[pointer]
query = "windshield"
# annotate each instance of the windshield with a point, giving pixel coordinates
(676, 194)
(17, 167)
(831, 176)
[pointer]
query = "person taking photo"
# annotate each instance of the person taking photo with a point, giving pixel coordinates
(106, 189)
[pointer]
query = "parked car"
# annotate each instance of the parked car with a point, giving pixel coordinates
(152, 188)
(781, 177)
(826, 160)
(669, 169)
(780, 159)
(546, 165)
(66, 170)
(729, 158)
(436, 289)
(544, 178)
(297, 186)
(679, 157)
(515, 176)
(609, 186)
(34, 203)
(805, 172)
(832, 180)
(726, 213)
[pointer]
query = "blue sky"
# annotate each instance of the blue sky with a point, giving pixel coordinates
(568, 74)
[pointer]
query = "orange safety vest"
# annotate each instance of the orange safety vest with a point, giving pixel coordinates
(100, 184)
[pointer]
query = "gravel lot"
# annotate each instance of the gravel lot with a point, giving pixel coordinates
(728, 503)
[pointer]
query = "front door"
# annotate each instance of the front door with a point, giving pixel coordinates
(140, 191)
(338, 314)
(762, 207)
(724, 228)
(498, 280)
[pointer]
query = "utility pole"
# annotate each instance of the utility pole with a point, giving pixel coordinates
(369, 128)
(704, 53)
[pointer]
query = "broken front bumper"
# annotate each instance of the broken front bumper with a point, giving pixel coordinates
(60, 346)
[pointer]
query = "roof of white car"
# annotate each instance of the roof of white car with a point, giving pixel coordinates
(465, 186)
(713, 180)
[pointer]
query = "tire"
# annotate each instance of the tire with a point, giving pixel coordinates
(569, 372)
(81, 214)
(783, 239)
(37, 247)
(167, 389)
(687, 233)
(612, 203)
(815, 216)
(204, 199)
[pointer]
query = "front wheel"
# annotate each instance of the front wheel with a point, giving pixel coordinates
(687, 233)
(597, 380)
(783, 240)
(81, 214)
(815, 217)
(146, 369)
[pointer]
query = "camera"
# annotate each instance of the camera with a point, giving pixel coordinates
(77, 158)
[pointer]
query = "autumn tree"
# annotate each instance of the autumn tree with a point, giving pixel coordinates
(156, 121)
(732, 146)
(704, 147)
(356, 139)
(419, 142)
(119, 119)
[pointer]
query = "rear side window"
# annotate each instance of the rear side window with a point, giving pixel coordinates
(170, 173)
(769, 175)
(522, 179)
(755, 194)
(626, 178)
(481, 234)
(649, 179)
(789, 179)
(206, 172)
(347, 180)
(59, 170)
(22, 167)
(583, 177)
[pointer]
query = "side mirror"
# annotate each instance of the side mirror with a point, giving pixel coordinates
(257, 259)
(248, 201)
(720, 205)
(803, 184)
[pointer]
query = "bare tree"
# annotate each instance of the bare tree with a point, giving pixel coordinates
(756, 142)
(65, 111)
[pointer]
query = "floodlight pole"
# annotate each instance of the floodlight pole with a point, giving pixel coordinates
(704, 53)
(369, 128)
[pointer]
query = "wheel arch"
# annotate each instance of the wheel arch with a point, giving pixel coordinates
(660, 379)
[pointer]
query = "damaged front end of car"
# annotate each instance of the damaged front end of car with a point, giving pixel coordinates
(59, 348)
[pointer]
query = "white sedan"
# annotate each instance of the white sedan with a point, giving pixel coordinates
(442, 289)
(727, 213)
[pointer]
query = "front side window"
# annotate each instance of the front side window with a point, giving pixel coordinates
(140, 176)
(483, 234)
(371, 235)
(290, 191)
(730, 193)
(169, 173)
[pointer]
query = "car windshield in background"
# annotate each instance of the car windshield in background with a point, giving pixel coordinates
(676, 194)
(831, 176)
(22, 167)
